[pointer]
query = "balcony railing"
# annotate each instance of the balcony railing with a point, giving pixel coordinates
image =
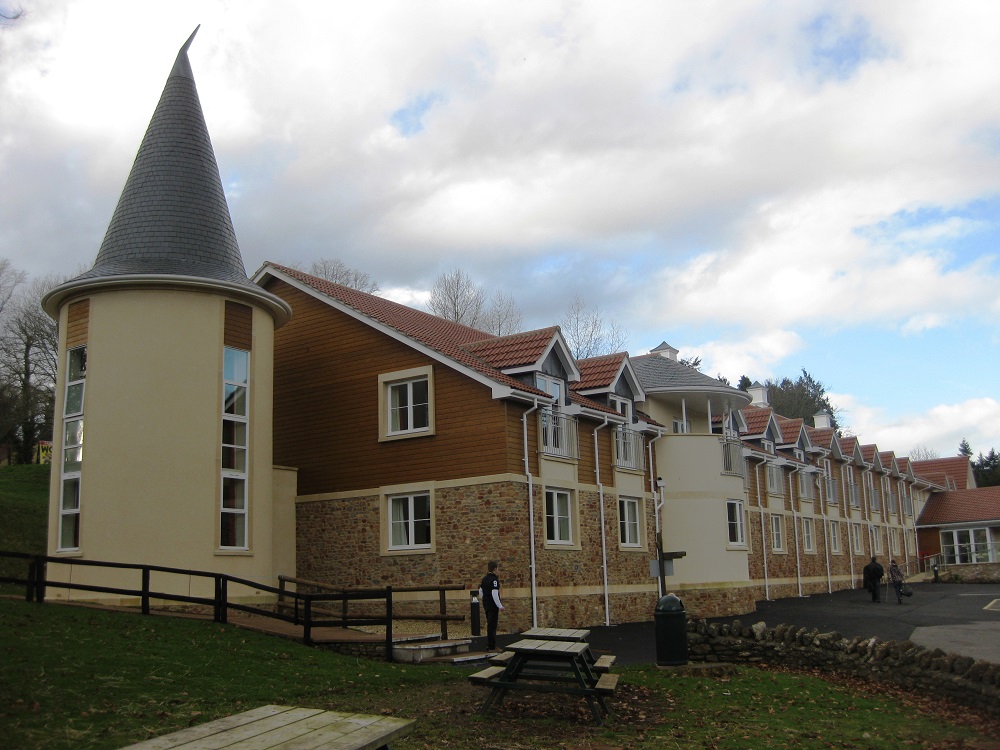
(854, 493)
(629, 452)
(876, 501)
(732, 458)
(890, 500)
(807, 490)
(907, 504)
(558, 434)
(830, 490)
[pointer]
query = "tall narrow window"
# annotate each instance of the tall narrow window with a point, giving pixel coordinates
(410, 521)
(235, 427)
(856, 538)
(835, 537)
(777, 533)
(72, 449)
(628, 521)
(734, 515)
(558, 517)
(809, 534)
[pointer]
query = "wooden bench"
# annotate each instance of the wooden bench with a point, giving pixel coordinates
(270, 726)
(484, 677)
(502, 658)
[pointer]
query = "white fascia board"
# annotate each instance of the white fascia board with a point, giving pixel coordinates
(497, 390)
(575, 410)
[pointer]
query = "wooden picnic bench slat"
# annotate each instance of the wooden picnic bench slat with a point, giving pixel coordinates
(604, 663)
(286, 728)
(486, 675)
(607, 683)
(502, 658)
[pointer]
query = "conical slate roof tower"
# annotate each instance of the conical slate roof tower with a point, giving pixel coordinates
(172, 222)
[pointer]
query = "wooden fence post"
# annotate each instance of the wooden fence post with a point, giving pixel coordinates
(307, 622)
(29, 588)
(41, 567)
(388, 623)
(145, 590)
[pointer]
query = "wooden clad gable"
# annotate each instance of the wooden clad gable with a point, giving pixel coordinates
(326, 396)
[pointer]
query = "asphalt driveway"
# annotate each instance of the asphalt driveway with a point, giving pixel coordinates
(957, 618)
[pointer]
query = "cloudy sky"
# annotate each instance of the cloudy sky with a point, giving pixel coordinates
(770, 186)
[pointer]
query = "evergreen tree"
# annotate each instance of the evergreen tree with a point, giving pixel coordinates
(800, 398)
(986, 469)
(964, 449)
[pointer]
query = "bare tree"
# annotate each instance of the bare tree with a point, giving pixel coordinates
(335, 270)
(502, 317)
(455, 296)
(922, 453)
(28, 359)
(10, 280)
(589, 333)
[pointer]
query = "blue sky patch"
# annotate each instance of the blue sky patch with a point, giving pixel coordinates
(840, 46)
(408, 120)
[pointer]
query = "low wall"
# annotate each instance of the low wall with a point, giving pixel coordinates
(971, 573)
(962, 679)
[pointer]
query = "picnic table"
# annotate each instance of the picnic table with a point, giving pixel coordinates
(549, 667)
(286, 726)
(557, 634)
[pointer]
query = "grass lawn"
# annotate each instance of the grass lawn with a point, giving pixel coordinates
(24, 498)
(73, 677)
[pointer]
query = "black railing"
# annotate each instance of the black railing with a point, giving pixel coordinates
(301, 610)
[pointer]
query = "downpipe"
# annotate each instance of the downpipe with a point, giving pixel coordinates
(604, 535)
(531, 518)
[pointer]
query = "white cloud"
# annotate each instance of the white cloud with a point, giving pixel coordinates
(940, 428)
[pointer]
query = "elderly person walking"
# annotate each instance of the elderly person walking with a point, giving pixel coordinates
(896, 579)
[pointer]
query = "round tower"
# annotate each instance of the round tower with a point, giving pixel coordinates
(163, 410)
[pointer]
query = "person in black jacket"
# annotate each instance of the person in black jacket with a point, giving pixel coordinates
(873, 574)
(489, 595)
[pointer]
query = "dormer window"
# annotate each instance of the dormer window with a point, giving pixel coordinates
(767, 445)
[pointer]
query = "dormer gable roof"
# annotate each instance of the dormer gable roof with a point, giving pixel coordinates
(870, 455)
(603, 374)
(527, 352)
(888, 461)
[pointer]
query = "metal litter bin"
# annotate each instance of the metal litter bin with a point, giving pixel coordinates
(671, 632)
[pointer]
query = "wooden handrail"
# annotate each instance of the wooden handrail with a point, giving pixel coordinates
(309, 617)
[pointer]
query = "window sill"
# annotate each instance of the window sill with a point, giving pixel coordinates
(562, 547)
(409, 551)
(737, 547)
(387, 438)
(234, 553)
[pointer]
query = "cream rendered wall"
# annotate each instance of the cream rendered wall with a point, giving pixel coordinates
(150, 480)
(694, 517)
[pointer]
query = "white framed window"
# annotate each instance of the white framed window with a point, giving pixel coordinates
(410, 521)
(735, 521)
(557, 431)
(767, 445)
(629, 529)
(835, 537)
(775, 480)
(894, 541)
(233, 511)
(558, 517)
(681, 426)
(621, 405)
(829, 484)
(809, 534)
(72, 450)
(777, 533)
(877, 539)
(629, 453)
(406, 403)
(856, 540)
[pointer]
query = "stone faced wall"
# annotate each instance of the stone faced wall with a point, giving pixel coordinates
(962, 679)
(972, 573)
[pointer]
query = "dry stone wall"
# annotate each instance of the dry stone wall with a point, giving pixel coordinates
(962, 679)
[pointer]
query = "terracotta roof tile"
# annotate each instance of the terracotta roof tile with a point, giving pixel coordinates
(822, 437)
(955, 468)
(599, 372)
(962, 506)
(790, 429)
(756, 418)
(516, 350)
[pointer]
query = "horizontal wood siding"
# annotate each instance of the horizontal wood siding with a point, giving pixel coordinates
(239, 326)
(326, 407)
(77, 323)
